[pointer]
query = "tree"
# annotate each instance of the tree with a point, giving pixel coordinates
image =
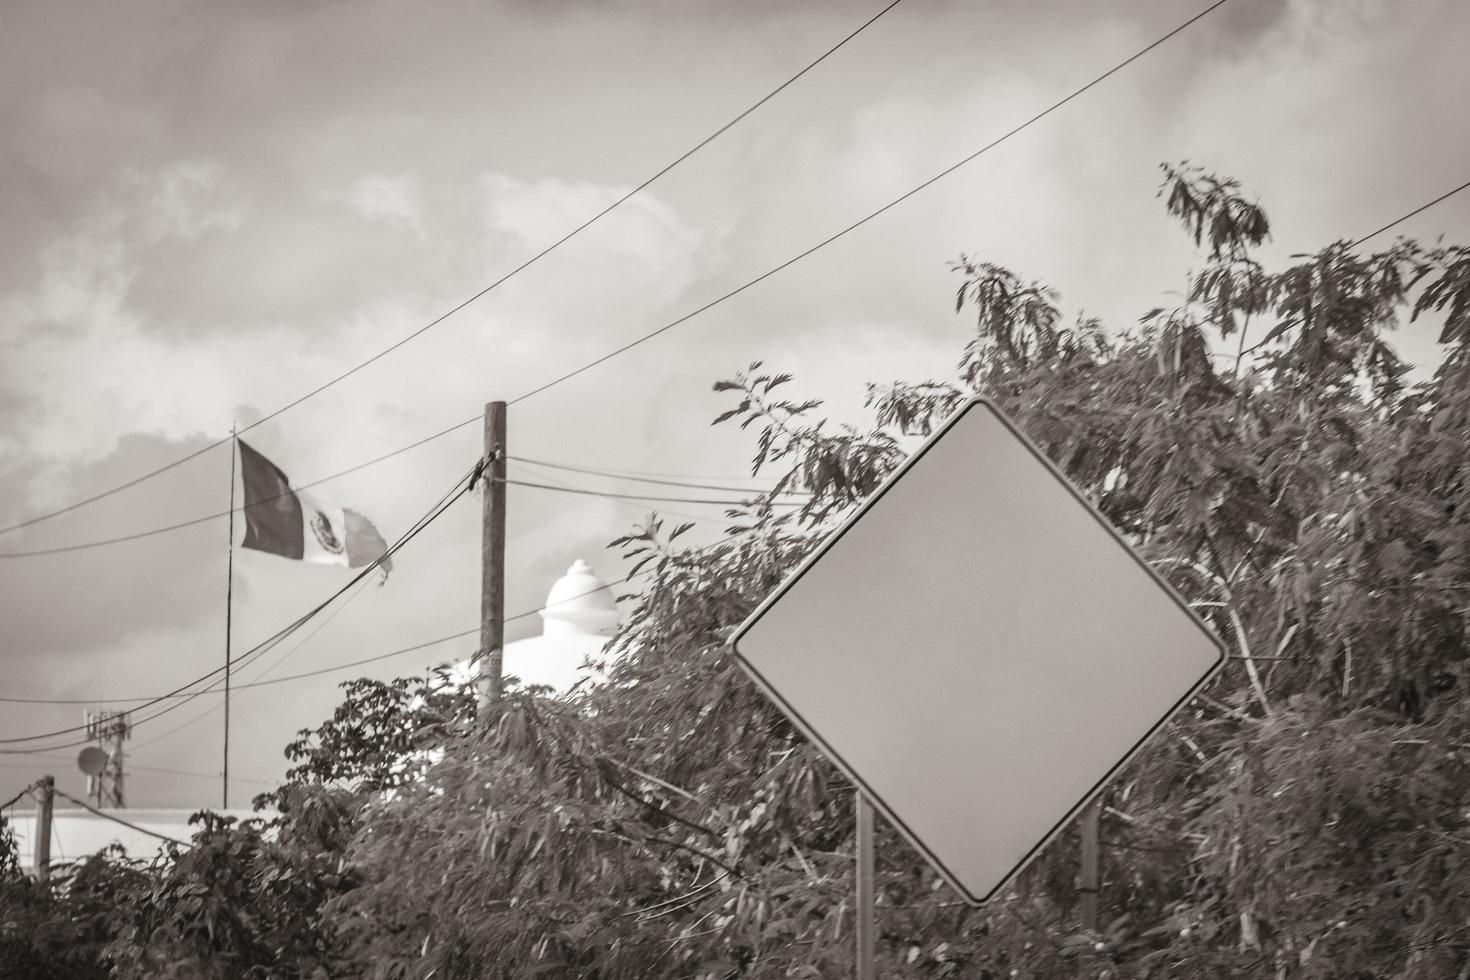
(1305, 817)
(248, 898)
(57, 930)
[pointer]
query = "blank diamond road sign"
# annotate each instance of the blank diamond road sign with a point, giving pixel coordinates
(977, 649)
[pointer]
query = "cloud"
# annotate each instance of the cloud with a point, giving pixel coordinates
(69, 604)
(394, 200)
(644, 230)
(185, 202)
(334, 178)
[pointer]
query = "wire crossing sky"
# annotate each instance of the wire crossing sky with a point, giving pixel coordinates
(467, 302)
(460, 488)
(178, 257)
(546, 386)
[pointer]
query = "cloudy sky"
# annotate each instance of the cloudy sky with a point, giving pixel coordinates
(210, 209)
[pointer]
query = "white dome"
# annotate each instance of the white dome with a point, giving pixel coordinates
(579, 603)
(579, 618)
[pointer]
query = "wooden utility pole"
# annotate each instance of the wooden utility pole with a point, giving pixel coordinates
(867, 940)
(492, 559)
(1090, 864)
(47, 786)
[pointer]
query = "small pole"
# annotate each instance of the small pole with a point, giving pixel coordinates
(121, 731)
(492, 558)
(94, 783)
(229, 612)
(864, 911)
(1090, 863)
(43, 827)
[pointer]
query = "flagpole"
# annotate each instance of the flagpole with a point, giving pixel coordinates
(229, 610)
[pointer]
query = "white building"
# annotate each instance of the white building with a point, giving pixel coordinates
(77, 833)
(578, 620)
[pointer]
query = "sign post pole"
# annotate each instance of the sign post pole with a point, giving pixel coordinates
(864, 911)
(1089, 884)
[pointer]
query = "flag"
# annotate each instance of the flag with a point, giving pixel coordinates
(294, 524)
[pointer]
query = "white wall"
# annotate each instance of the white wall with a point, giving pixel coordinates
(77, 833)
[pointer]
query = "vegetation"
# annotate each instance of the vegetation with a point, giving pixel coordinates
(1307, 816)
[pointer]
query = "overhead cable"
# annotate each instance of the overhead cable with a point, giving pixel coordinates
(324, 670)
(782, 266)
(238, 510)
(382, 656)
(219, 515)
(494, 285)
(870, 216)
(260, 650)
(641, 496)
(1402, 218)
(642, 478)
(215, 687)
(16, 798)
(628, 505)
(461, 487)
(820, 245)
(133, 765)
(119, 820)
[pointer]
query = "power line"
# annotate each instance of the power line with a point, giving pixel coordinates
(238, 510)
(782, 266)
(16, 798)
(46, 748)
(1399, 220)
(259, 651)
(383, 656)
(334, 667)
(639, 496)
(678, 481)
(864, 220)
(119, 820)
(460, 488)
(112, 490)
(198, 775)
(135, 766)
(825, 242)
(138, 535)
(119, 539)
(215, 686)
(310, 673)
(618, 474)
(697, 518)
(366, 660)
(494, 285)
(641, 478)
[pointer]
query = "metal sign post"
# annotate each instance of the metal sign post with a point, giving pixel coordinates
(865, 912)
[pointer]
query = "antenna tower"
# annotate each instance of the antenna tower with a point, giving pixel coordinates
(109, 729)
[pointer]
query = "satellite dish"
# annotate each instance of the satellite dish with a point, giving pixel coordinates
(91, 760)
